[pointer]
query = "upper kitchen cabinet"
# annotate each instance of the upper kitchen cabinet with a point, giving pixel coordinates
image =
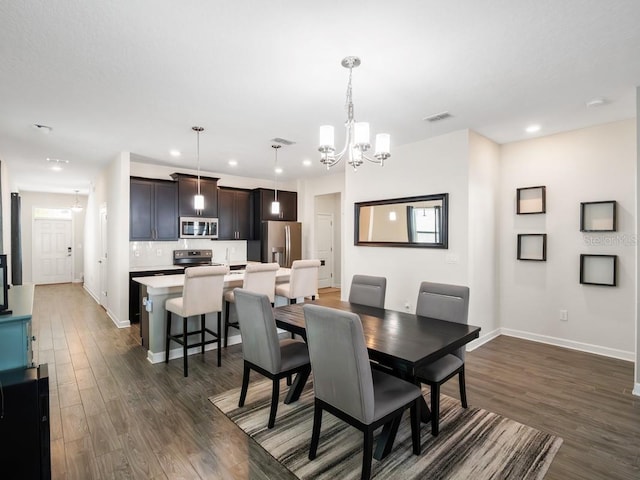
(262, 199)
(188, 188)
(234, 214)
(153, 209)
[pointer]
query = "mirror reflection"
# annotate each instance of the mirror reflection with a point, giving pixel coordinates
(403, 222)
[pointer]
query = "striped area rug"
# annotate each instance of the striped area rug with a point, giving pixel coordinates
(473, 443)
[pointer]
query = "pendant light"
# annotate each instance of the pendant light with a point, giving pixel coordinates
(76, 207)
(275, 205)
(198, 199)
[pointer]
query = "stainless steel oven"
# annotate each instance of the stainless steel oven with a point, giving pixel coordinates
(198, 227)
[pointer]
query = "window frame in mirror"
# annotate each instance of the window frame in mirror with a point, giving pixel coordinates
(444, 227)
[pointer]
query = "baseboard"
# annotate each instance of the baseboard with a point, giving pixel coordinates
(91, 294)
(483, 339)
(118, 323)
(562, 342)
(636, 390)
(158, 357)
(76, 280)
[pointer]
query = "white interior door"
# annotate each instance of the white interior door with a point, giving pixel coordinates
(103, 257)
(324, 247)
(52, 253)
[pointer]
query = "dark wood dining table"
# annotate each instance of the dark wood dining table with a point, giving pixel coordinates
(399, 341)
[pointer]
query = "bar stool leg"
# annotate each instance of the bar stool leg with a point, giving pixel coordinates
(184, 346)
(168, 339)
(226, 324)
(219, 340)
(202, 324)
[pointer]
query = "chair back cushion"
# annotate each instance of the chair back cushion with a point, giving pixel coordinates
(368, 290)
(260, 343)
(444, 302)
(339, 361)
(303, 281)
(261, 278)
(202, 291)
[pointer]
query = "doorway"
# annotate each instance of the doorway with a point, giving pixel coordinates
(324, 247)
(328, 239)
(52, 252)
(102, 261)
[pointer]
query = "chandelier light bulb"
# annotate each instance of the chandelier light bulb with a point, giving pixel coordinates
(198, 202)
(326, 136)
(383, 144)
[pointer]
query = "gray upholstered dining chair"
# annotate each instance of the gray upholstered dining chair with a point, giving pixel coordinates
(368, 290)
(303, 281)
(345, 385)
(201, 294)
(263, 351)
(450, 303)
(258, 278)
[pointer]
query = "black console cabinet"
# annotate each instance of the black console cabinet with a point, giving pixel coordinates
(24, 424)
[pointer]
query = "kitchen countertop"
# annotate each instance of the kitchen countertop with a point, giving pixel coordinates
(162, 283)
(238, 263)
(155, 269)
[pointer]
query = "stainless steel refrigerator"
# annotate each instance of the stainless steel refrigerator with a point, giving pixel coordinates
(281, 242)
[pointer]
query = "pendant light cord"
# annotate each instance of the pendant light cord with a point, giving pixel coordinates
(275, 173)
(198, 147)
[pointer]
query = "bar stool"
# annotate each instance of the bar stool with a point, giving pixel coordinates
(201, 294)
(303, 281)
(258, 278)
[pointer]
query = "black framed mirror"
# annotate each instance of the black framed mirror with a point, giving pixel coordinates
(420, 221)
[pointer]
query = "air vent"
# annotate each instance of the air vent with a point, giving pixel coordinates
(437, 117)
(283, 141)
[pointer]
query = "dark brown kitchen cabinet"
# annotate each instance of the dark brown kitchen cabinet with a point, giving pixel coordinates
(153, 209)
(234, 214)
(188, 188)
(263, 197)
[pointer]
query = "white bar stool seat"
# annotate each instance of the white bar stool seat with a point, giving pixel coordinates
(201, 294)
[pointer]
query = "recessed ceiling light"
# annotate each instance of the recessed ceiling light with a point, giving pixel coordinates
(232, 163)
(533, 128)
(175, 153)
(307, 162)
(596, 102)
(278, 170)
(56, 163)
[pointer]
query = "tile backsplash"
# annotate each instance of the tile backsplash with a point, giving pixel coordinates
(160, 254)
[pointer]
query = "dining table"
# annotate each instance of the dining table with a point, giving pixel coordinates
(400, 342)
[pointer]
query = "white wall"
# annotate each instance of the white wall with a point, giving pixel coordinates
(484, 175)
(118, 239)
(164, 172)
(6, 213)
(31, 200)
(590, 164)
(436, 165)
(308, 190)
(97, 198)
(636, 389)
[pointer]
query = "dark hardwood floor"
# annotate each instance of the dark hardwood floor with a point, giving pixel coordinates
(115, 415)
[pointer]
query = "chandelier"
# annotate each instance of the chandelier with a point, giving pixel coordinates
(357, 138)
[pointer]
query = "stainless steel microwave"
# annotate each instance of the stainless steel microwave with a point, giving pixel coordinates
(198, 227)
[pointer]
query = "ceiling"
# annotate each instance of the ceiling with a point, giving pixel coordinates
(135, 75)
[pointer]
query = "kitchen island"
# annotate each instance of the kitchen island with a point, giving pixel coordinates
(154, 292)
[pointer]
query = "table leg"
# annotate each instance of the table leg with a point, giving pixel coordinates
(386, 438)
(295, 390)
